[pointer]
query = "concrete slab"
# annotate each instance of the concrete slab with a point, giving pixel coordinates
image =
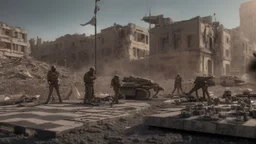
(53, 119)
(227, 127)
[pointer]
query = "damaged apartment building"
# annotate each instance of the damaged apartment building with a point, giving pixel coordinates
(129, 42)
(13, 41)
(242, 51)
(190, 47)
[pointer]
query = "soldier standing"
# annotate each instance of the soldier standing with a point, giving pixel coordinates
(52, 79)
(115, 84)
(177, 84)
(89, 78)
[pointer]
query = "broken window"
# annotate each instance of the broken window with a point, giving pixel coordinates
(141, 38)
(138, 53)
(176, 41)
(22, 49)
(146, 39)
(189, 40)
(134, 52)
(211, 43)
(227, 40)
(164, 44)
(227, 53)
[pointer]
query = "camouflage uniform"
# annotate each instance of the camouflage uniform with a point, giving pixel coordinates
(89, 78)
(115, 83)
(177, 84)
(52, 78)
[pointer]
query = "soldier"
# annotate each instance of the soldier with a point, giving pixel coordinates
(52, 79)
(177, 84)
(115, 84)
(89, 78)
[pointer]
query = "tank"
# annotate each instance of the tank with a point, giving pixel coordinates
(139, 88)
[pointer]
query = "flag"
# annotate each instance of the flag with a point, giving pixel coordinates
(96, 9)
(91, 22)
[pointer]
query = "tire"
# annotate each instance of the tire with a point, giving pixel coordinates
(141, 91)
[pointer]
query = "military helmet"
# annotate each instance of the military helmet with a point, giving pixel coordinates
(117, 76)
(53, 67)
(92, 69)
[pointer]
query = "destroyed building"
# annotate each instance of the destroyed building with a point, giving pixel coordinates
(13, 41)
(195, 46)
(242, 50)
(66, 50)
(128, 42)
(248, 19)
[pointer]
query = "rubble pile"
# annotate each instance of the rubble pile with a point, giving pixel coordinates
(28, 76)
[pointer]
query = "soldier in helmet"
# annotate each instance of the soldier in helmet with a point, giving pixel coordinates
(89, 79)
(115, 84)
(177, 84)
(52, 79)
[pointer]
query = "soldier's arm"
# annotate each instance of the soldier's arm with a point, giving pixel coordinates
(48, 76)
(85, 78)
(93, 77)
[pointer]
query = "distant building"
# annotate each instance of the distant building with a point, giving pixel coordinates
(13, 41)
(128, 42)
(248, 19)
(190, 47)
(242, 50)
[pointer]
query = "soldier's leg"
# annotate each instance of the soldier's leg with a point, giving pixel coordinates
(85, 94)
(58, 92)
(181, 88)
(116, 94)
(178, 90)
(174, 89)
(50, 93)
(89, 94)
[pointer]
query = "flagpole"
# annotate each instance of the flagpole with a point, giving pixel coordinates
(95, 55)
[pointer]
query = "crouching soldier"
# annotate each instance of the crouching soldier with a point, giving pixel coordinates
(89, 79)
(52, 79)
(115, 84)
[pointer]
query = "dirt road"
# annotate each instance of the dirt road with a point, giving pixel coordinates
(126, 131)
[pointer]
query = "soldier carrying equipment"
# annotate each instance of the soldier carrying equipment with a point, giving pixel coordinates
(202, 83)
(89, 78)
(52, 79)
(177, 84)
(115, 84)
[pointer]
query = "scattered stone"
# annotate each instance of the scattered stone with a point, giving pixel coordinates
(135, 140)
(117, 138)
(122, 120)
(94, 130)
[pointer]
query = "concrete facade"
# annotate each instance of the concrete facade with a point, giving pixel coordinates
(13, 41)
(248, 19)
(128, 42)
(190, 47)
(242, 50)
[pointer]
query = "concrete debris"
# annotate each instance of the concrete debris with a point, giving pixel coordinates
(28, 76)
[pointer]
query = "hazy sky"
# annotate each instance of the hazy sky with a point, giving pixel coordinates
(50, 19)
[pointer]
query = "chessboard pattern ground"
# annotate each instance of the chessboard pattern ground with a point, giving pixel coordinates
(169, 118)
(58, 118)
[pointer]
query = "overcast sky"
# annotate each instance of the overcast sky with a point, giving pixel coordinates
(50, 19)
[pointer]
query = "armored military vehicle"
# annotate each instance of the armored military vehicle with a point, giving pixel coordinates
(139, 88)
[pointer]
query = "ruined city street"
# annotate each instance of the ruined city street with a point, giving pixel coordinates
(123, 128)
